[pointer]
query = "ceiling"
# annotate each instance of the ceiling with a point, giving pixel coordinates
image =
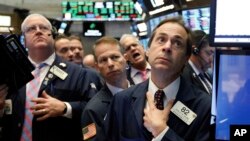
(49, 8)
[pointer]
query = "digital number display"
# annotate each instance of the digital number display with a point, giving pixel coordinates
(102, 11)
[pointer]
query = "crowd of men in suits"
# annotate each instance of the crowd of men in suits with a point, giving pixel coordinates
(117, 100)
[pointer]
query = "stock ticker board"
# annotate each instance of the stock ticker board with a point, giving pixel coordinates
(100, 11)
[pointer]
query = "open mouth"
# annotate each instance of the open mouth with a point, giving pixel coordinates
(136, 55)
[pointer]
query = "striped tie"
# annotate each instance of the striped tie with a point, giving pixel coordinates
(144, 75)
(32, 92)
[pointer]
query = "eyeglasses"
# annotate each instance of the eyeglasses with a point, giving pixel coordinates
(129, 47)
(33, 28)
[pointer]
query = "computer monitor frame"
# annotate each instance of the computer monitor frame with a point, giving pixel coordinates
(231, 87)
(229, 23)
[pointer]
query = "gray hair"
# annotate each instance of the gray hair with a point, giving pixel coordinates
(23, 25)
(124, 36)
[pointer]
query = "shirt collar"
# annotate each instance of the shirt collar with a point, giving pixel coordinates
(134, 71)
(197, 72)
(49, 61)
(115, 89)
(170, 90)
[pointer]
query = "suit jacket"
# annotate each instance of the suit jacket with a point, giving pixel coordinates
(95, 77)
(96, 109)
(190, 75)
(130, 79)
(124, 121)
(77, 89)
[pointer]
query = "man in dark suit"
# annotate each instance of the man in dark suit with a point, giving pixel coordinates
(182, 113)
(200, 60)
(112, 66)
(62, 47)
(138, 69)
(63, 91)
(71, 49)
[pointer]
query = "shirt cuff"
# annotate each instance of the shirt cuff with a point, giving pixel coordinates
(68, 113)
(161, 135)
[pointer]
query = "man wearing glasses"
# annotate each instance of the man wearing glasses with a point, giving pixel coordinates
(49, 107)
(138, 68)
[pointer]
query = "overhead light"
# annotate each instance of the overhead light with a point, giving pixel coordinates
(143, 33)
(159, 10)
(138, 8)
(67, 16)
(5, 20)
(157, 3)
(142, 27)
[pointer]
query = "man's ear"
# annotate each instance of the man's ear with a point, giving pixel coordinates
(125, 56)
(97, 68)
(146, 52)
(24, 41)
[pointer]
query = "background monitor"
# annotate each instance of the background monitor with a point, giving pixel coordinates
(153, 22)
(231, 91)
(230, 23)
(156, 7)
(93, 29)
(144, 42)
(197, 18)
(64, 27)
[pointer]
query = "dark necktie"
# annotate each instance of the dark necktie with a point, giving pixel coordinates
(202, 76)
(159, 99)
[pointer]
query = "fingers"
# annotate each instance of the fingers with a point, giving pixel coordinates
(150, 100)
(38, 107)
(39, 100)
(168, 107)
(41, 114)
(43, 117)
(45, 95)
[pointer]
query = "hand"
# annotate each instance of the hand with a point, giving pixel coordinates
(3, 94)
(155, 120)
(47, 106)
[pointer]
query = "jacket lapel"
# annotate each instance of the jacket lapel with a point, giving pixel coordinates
(107, 97)
(50, 77)
(139, 102)
(184, 95)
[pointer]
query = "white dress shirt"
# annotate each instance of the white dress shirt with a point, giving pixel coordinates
(136, 76)
(170, 94)
(43, 73)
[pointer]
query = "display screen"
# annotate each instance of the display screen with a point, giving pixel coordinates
(197, 19)
(93, 29)
(144, 42)
(155, 21)
(64, 27)
(102, 11)
(232, 89)
(229, 23)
